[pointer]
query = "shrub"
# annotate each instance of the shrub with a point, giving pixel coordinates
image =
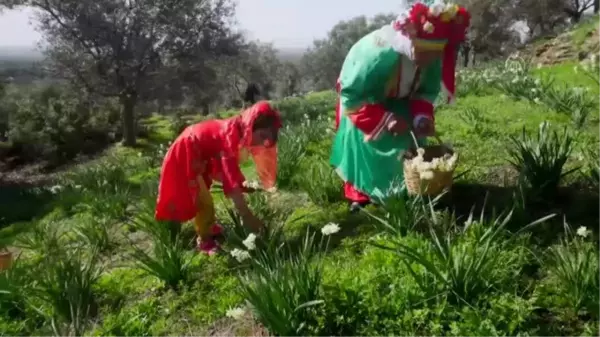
(574, 102)
(65, 282)
(169, 260)
(541, 160)
(463, 268)
(282, 293)
(54, 124)
(320, 182)
(573, 267)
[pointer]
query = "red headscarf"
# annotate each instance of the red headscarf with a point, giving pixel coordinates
(439, 26)
(264, 156)
(249, 116)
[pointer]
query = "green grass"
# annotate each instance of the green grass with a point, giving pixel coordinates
(584, 29)
(566, 75)
(451, 272)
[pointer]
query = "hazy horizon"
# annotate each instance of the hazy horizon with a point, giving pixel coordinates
(289, 24)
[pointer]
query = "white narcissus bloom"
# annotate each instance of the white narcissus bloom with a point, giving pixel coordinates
(426, 175)
(250, 241)
(437, 8)
(240, 255)
(425, 166)
(449, 7)
(452, 162)
(428, 27)
(235, 313)
(583, 232)
(330, 228)
(252, 184)
(55, 189)
(426, 169)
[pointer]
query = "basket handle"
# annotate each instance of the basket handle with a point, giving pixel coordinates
(436, 136)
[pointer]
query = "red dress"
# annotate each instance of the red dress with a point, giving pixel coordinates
(211, 150)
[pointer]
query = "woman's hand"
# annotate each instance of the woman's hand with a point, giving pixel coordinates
(253, 223)
(396, 126)
(248, 189)
(249, 219)
(251, 187)
(424, 127)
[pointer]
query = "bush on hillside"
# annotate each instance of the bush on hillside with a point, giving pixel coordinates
(54, 124)
(295, 110)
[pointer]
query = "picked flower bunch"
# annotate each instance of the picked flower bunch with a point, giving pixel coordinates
(255, 185)
(426, 169)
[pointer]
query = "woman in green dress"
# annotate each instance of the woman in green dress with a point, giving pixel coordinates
(386, 89)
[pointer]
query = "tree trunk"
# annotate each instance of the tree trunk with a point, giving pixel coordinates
(205, 109)
(465, 51)
(128, 102)
(596, 6)
(575, 15)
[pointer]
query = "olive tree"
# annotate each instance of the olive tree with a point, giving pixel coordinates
(132, 48)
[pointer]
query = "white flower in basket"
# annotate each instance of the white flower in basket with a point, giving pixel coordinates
(429, 173)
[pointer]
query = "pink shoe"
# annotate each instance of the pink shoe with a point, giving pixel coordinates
(209, 247)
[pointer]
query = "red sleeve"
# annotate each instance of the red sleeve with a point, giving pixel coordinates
(371, 119)
(232, 175)
(420, 107)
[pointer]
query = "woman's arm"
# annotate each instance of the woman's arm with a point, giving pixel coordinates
(363, 79)
(249, 219)
(233, 188)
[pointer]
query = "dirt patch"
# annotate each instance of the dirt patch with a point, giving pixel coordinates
(563, 49)
(38, 174)
(26, 175)
(554, 52)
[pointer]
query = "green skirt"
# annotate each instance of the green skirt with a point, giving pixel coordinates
(374, 167)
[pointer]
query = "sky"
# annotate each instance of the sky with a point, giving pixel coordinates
(285, 23)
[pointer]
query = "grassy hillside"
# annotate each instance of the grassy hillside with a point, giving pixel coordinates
(572, 46)
(511, 250)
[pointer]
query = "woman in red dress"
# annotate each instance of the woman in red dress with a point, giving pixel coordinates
(212, 150)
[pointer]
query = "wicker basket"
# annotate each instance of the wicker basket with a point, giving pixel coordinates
(441, 181)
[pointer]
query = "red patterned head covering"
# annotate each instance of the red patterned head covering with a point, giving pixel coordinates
(250, 115)
(265, 155)
(441, 26)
